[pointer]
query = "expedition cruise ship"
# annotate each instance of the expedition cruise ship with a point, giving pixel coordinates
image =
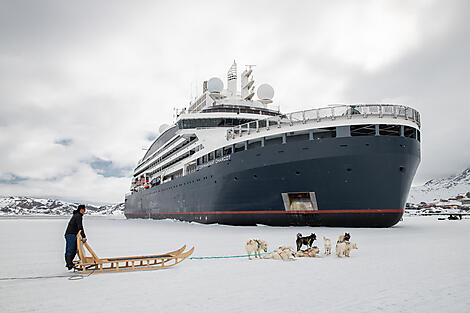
(232, 159)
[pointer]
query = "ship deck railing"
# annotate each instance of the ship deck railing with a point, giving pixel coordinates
(334, 112)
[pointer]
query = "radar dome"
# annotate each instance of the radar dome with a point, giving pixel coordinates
(265, 92)
(162, 128)
(215, 84)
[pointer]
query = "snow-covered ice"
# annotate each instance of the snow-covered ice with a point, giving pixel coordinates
(420, 265)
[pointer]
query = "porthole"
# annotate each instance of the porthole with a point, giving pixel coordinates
(255, 176)
(235, 178)
(402, 169)
(297, 173)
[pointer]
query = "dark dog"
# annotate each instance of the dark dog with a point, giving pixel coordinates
(308, 241)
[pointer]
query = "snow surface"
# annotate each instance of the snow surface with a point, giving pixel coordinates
(420, 265)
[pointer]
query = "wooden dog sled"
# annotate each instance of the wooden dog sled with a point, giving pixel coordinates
(95, 264)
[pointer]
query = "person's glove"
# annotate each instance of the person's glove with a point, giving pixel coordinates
(83, 240)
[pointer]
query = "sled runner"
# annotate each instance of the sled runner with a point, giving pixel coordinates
(122, 264)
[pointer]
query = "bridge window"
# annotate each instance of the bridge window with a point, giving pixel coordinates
(389, 130)
(410, 132)
(322, 133)
(273, 141)
(254, 144)
(363, 130)
(297, 136)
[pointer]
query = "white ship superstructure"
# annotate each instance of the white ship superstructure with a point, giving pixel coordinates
(232, 157)
(201, 128)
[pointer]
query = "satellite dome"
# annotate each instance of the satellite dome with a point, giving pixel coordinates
(265, 92)
(162, 128)
(215, 84)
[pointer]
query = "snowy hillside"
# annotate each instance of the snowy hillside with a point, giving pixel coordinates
(32, 206)
(443, 188)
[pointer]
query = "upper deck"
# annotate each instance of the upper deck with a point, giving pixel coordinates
(338, 114)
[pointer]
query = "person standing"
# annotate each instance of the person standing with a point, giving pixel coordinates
(74, 226)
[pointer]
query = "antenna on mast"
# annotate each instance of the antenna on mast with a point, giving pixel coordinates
(247, 83)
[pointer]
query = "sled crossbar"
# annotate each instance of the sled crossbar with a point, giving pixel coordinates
(141, 257)
(120, 264)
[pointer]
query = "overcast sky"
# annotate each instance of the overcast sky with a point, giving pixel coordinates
(84, 85)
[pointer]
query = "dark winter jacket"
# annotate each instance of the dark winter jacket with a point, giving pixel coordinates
(75, 224)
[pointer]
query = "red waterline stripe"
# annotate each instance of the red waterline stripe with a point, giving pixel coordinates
(277, 212)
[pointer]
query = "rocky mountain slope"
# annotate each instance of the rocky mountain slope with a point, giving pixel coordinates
(33, 206)
(442, 188)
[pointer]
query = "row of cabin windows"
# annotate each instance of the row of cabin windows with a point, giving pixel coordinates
(385, 130)
(211, 122)
(324, 133)
(170, 153)
(240, 110)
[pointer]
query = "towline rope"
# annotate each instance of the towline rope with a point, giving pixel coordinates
(223, 257)
(75, 276)
(81, 276)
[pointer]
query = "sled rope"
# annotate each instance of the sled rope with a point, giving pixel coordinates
(223, 257)
(36, 277)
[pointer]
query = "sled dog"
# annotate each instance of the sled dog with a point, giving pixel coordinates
(327, 245)
(282, 253)
(349, 247)
(344, 237)
(308, 241)
(255, 246)
(310, 252)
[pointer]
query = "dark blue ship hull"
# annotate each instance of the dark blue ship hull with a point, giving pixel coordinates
(358, 181)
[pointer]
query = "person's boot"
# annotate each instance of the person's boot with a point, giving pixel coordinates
(69, 261)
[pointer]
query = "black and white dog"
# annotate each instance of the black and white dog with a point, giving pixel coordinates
(343, 238)
(308, 241)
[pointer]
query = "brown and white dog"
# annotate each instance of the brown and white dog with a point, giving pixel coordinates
(349, 247)
(255, 246)
(282, 253)
(327, 245)
(340, 248)
(344, 248)
(344, 237)
(310, 252)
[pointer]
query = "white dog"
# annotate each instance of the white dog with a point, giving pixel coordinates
(349, 247)
(310, 252)
(327, 245)
(344, 248)
(283, 253)
(255, 246)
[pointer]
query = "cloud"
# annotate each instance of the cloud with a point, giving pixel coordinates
(84, 87)
(108, 169)
(64, 142)
(9, 178)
